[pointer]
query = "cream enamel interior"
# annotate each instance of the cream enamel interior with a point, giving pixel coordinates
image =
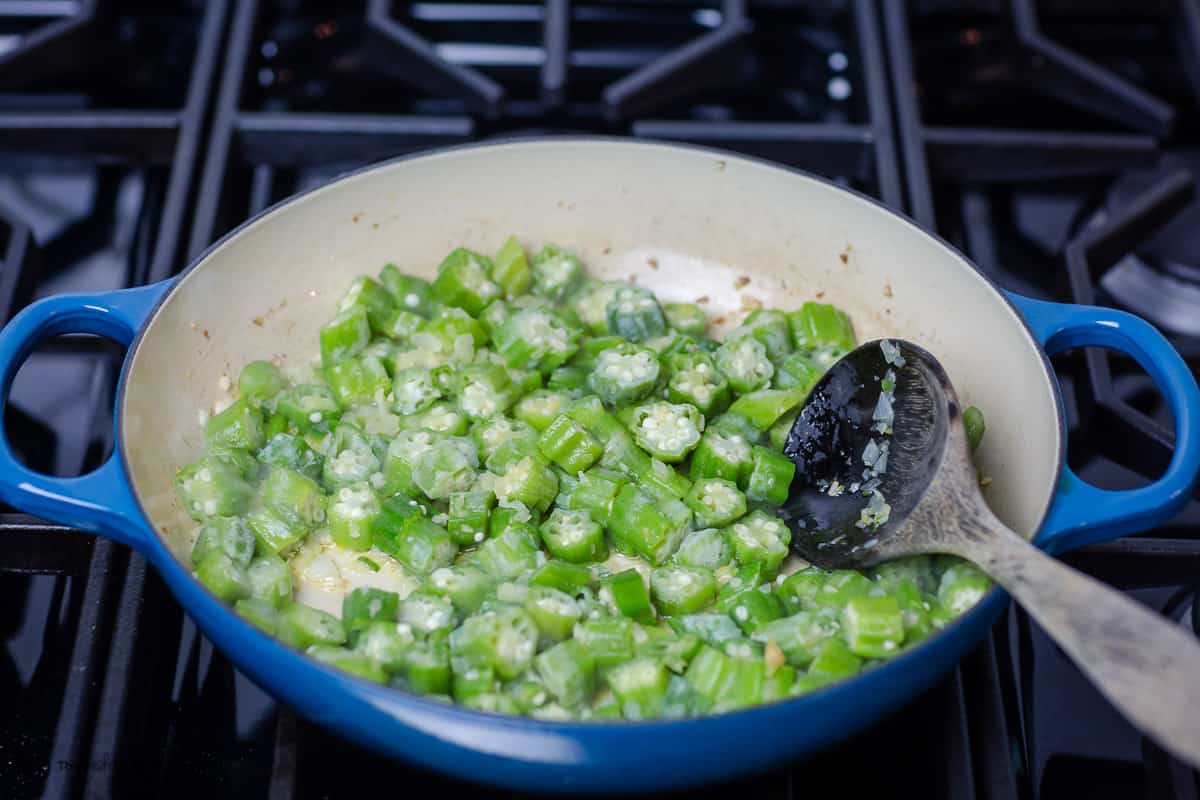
(685, 222)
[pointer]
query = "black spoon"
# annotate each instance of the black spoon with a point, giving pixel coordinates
(847, 509)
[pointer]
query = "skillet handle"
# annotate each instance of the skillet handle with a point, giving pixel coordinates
(1082, 514)
(100, 501)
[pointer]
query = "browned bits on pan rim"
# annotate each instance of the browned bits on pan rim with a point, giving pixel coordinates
(652, 263)
(702, 299)
(741, 281)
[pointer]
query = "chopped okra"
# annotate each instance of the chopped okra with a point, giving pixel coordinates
(529, 491)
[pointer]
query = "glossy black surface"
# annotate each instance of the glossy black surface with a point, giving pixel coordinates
(839, 431)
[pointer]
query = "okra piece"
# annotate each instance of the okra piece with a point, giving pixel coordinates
(630, 596)
(914, 611)
(568, 444)
(752, 609)
(228, 535)
(345, 336)
(510, 269)
(447, 466)
(387, 644)
(425, 613)
(771, 329)
(556, 273)
(272, 533)
(778, 435)
(528, 481)
(449, 325)
(509, 555)
(567, 671)
(351, 513)
(349, 661)
(593, 492)
(541, 407)
(640, 687)
(715, 629)
(536, 338)
(708, 673)
(490, 434)
(370, 295)
(608, 640)
(302, 626)
(668, 431)
(291, 452)
(463, 281)
(829, 590)
(562, 575)
(743, 684)
(682, 701)
(635, 315)
(820, 327)
(238, 427)
(468, 516)
(427, 667)
(591, 414)
(352, 461)
(696, 380)
(424, 546)
(439, 418)
(704, 548)
(402, 324)
(213, 487)
(797, 371)
(260, 381)
(744, 364)
(487, 391)
(834, 661)
(466, 586)
(506, 640)
(798, 636)
(528, 693)
(261, 615)
(722, 455)
(961, 587)
(778, 684)
(874, 626)
(686, 318)
(764, 407)
(682, 590)
(918, 570)
(590, 304)
(674, 651)
(276, 424)
(770, 476)
(294, 497)
(400, 458)
(308, 406)
(590, 348)
(760, 537)
(574, 536)
(223, 576)
(358, 380)
(570, 380)
(411, 293)
(554, 612)
(514, 516)
(269, 580)
(715, 502)
(364, 605)
(973, 422)
(650, 528)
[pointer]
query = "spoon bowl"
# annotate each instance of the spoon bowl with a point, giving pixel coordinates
(883, 470)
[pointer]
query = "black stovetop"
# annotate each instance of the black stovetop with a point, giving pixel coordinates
(1055, 142)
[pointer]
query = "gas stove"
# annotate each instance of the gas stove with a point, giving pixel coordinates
(1056, 143)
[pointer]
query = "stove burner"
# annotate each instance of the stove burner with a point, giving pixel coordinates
(1160, 280)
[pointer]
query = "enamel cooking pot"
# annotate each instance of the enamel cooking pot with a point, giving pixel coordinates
(687, 222)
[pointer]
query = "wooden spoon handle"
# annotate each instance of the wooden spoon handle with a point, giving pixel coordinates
(1148, 667)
